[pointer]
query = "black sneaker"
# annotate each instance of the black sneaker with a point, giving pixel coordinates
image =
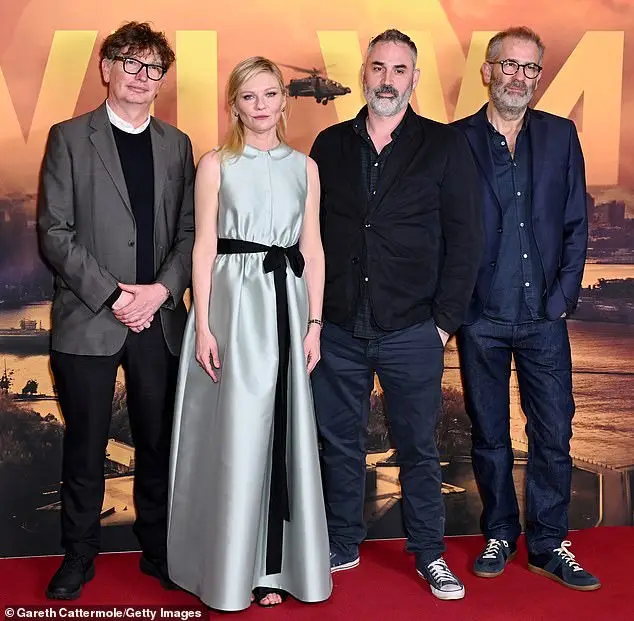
(341, 562)
(496, 554)
(443, 582)
(560, 565)
(71, 576)
(157, 569)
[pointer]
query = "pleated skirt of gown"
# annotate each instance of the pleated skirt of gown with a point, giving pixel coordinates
(222, 445)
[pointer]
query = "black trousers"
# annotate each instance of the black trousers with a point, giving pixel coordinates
(85, 386)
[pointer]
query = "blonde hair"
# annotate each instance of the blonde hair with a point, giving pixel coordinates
(235, 139)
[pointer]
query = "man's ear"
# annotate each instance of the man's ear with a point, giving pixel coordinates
(486, 71)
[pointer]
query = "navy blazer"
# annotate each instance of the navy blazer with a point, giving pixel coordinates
(559, 211)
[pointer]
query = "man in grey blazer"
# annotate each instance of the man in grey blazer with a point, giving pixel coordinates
(115, 220)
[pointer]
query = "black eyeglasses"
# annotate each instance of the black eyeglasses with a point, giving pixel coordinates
(133, 66)
(511, 67)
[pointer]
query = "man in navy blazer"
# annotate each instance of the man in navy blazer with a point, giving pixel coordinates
(535, 222)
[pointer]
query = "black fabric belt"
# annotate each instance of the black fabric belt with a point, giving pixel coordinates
(279, 508)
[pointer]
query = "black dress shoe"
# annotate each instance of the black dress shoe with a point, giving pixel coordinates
(69, 579)
(157, 569)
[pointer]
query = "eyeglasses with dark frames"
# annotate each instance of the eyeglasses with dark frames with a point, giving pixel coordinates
(511, 67)
(133, 66)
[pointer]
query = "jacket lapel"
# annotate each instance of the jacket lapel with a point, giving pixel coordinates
(351, 160)
(539, 139)
(102, 139)
(477, 135)
(159, 156)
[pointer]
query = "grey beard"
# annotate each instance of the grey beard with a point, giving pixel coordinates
(386, 107)
(508, 111)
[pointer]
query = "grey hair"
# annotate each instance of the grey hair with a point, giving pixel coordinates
(394, 36)
(515, 32)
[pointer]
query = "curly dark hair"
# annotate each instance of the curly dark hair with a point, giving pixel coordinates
(137, 38)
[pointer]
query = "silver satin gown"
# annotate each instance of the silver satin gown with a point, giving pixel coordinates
(222, 441)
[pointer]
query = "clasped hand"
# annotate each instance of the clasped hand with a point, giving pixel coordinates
(137, 304)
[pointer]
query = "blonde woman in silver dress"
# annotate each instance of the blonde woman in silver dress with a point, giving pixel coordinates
(246, 514)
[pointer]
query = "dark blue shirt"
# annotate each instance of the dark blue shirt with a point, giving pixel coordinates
(518, 288)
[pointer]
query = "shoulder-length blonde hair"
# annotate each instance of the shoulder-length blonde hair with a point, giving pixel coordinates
(243, 71)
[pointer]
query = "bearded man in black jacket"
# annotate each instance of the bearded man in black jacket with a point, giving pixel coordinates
(402, 235)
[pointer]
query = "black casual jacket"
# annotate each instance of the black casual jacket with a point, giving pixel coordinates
(417, 243)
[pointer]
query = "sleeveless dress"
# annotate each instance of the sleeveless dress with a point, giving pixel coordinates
(222, 443)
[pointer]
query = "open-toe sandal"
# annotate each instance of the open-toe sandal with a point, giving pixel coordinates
(261, 592)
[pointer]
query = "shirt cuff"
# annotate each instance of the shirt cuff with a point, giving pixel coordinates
(113, 298)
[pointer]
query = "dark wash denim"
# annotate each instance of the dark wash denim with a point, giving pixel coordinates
(541, 350)
(409, 364)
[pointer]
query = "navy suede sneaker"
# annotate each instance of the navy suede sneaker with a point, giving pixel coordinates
(341, 562)
(560, 565)
(493, 560)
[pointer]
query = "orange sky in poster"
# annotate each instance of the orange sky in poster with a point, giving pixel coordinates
(589, 51)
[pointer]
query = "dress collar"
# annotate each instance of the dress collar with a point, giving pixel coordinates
(277, 153)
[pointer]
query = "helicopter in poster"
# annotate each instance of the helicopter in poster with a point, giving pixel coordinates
(315, 85)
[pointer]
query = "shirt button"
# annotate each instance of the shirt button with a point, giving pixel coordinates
(527, 284)
(525, 256)
(503, 143)
(522, 224)
(376, 163)
(366, 279)
(519, 194)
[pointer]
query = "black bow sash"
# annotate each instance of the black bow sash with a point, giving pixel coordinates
(279, 509)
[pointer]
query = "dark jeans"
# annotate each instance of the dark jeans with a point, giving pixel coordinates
(541, 350)
(85, 386)
(409, 364)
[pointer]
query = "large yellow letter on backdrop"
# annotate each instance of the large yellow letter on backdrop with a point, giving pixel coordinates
(197, 103)
(593, 71)
(64, 74)
(598, 53)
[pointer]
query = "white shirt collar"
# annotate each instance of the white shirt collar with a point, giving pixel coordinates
(124, 126)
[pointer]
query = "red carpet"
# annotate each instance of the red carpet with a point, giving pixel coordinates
(384, 587)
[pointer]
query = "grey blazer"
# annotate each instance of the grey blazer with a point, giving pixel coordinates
(87, 231)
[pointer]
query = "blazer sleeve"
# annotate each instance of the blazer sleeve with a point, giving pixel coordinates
(70, 260)
(175, 272)
(462, 229)
(575, 234)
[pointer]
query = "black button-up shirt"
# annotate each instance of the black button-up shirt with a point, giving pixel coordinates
(372, 165)
(518, 287)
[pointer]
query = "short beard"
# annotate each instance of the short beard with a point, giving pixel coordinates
(509, 106)
(384, 107)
